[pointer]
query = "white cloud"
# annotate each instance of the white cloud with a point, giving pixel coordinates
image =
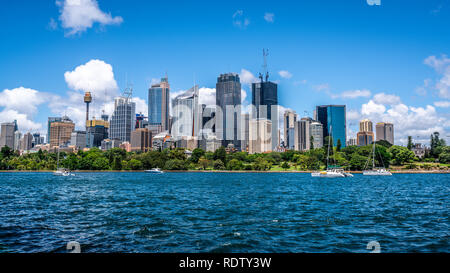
(285, 74)
(207, 96)
(239, 20)
(141, 106)
(269, 17)
(24, 121)
(372, 107)
(95, 76)
(353, 94)
(382, 98)
(24, 100)
(322, 87)
(442, 67)
(418, 122)
(442, 104)
(247, 77)
(353, 115)
(78, 15)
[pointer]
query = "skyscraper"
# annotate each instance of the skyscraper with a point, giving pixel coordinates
(365, 125)
(158, 105)
(96, 131)
(49, 123)
(265, 101)
(245, 132)
(27, 142)
(260, 136)
(333, 119)
(365, 135)
(302, 134)
(123, 119)
(186, 114)
(290, 117)
(7, 134)
(78, 139)
(316, 129)
(228, 95)
(385, 131)
(141, 140)
(61, 132)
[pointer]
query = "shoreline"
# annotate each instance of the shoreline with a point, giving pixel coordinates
(224, 171)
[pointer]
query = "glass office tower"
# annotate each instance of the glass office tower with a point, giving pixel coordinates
(333, 117)
(158, 105)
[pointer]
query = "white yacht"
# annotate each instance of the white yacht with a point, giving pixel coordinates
(61, 171)
(375, 171)
(155, 170)
(331, 171)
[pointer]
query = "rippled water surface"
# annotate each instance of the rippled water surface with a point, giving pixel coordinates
(210, 212)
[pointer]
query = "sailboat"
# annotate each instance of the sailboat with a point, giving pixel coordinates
(375, 171)
(331, 171)
(61, 171)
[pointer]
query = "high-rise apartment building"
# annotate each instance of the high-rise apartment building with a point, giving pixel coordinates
(123, 119)
(7, 134)
(17, 140)
(245, 132)
(49, 123)
(316, 132)
(302, 134)
(364, 138)
(333, 119)
(228, 102)
(61, 132)
(158, 105)
(290, 117)
(260, 136)
(385, 131)
(365, 125)
(186, 114)
(141, 140)
(27, 142)
(365, 135)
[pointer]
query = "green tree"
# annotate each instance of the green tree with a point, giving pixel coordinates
(444, 157)
(135, 164)
(401, 155)
(357, 162)
(218, 165)
(117, 163)
(285, 165)
(235, 165)
(100, 164)
(220, 154)
(338, 145)
(204, 163)
(197, 154)
(175, 165)
(410, 143)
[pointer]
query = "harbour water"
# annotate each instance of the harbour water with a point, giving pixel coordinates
(216, 212)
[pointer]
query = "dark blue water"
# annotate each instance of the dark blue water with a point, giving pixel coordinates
(206, 212)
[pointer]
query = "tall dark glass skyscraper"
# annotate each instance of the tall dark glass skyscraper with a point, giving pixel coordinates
(333, 119)
(228, 93)
(265, 100)
(158, 105)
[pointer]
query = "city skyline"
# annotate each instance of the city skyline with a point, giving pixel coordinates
(386, 78)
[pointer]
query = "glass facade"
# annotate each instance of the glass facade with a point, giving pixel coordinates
(333, 119)
(123, 119)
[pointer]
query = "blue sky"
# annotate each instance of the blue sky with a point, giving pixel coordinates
(388, 62)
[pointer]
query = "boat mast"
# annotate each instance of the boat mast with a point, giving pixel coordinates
(373, 159)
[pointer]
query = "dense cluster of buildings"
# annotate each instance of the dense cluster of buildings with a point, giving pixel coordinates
(184, 122)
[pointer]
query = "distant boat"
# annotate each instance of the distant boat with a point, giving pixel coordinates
(375, 171)
(63, 172)
(60, 171)
(155, 170)
(331, 171)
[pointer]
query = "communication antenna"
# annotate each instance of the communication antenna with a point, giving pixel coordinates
(265, 71)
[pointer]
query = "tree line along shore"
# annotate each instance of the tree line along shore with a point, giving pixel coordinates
(351, 158)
